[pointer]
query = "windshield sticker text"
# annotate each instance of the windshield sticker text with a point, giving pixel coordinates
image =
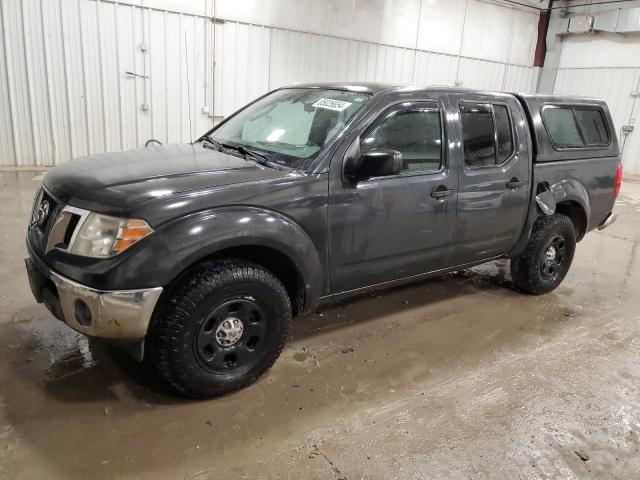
(329, 104)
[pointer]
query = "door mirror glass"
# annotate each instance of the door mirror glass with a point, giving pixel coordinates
(378, 162)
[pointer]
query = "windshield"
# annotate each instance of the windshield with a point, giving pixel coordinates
(291, 126)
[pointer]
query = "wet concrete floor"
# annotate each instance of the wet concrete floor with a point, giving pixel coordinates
(457, 377)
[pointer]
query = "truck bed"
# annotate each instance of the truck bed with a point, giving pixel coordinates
(584, 176)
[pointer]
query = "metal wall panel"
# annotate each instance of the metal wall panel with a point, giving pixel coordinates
(7, 126)
(520, 79)
(298, 57)
(280, 57)
(435, 68)
(481, 74)
(242, 65)
(17, 85)
(65, 92)
(616, 85)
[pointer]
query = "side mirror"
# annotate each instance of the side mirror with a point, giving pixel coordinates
(379, 162)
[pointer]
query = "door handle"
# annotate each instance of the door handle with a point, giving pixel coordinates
(514, 183)
(442, 192)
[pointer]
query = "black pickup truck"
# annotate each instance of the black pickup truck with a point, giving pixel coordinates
(198, 255)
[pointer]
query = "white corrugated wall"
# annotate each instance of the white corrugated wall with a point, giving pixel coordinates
(606, 67)
(65, 89)
(253, 59)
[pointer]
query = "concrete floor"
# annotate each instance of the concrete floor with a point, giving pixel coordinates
(454, 377)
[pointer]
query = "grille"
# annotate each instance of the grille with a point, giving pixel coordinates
(46, 209)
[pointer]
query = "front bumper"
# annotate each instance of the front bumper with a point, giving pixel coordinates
(113, 314)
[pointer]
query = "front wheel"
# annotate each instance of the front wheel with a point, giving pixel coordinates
(548, 255)
(219, 328)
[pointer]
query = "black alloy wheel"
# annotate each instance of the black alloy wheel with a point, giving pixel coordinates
(552, 261)
(546, 259)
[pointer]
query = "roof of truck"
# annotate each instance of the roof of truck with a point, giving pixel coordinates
(545, 97)
(380, 87)
(533, 104)
(376, 87)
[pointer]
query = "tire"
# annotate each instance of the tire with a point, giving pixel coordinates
(219, 328)
(534, 271)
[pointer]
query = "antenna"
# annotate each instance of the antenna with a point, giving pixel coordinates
(186, 62)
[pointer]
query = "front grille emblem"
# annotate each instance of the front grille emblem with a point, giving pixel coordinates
(43, 212)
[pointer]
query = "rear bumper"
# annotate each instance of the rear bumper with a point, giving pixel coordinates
(611, 218)
(113, 314)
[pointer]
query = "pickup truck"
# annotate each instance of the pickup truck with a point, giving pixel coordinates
(197, 256)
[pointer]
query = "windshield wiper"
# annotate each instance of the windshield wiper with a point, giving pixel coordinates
(216, 144)
(247, 153)
(252, 154)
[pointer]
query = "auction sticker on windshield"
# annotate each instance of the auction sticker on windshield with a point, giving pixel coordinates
(330, 104)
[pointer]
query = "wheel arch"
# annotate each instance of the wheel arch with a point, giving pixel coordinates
(569, 197)
(576, 214)
(261, 236)
(274, 260)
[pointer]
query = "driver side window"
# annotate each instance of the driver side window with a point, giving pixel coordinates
(416, 134)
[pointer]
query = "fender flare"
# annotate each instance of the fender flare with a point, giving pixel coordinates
(202, 234)
(545, 203)
(564, 191)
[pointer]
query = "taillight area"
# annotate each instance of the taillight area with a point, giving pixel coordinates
(616, 185)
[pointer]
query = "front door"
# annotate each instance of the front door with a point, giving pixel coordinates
(388, 228)
(494, 179)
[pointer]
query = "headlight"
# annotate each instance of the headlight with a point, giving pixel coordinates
(104, 236)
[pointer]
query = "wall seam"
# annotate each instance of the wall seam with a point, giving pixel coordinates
(180, 76)
(66, 79)
(100, 59)
(84, 80)
(166, 96)
(148, 57)
(48, 82)
(135, 79)
(29, 85)
(119, 74)
(415, 51)
(464, 22)
(508, 57)
(9, 96)
(325, 35)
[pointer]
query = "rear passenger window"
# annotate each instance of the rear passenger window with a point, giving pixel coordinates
(478, 135)
(486, 133)
(574, 126)
(503, 132)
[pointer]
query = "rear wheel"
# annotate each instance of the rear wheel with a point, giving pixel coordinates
(548, 255)
(219, 328)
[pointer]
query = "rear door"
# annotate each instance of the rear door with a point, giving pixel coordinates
(388, 228)
(494, 180)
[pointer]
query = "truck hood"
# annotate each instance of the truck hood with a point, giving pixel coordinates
(116, 181)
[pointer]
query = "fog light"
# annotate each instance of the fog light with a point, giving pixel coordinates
(83, 313)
